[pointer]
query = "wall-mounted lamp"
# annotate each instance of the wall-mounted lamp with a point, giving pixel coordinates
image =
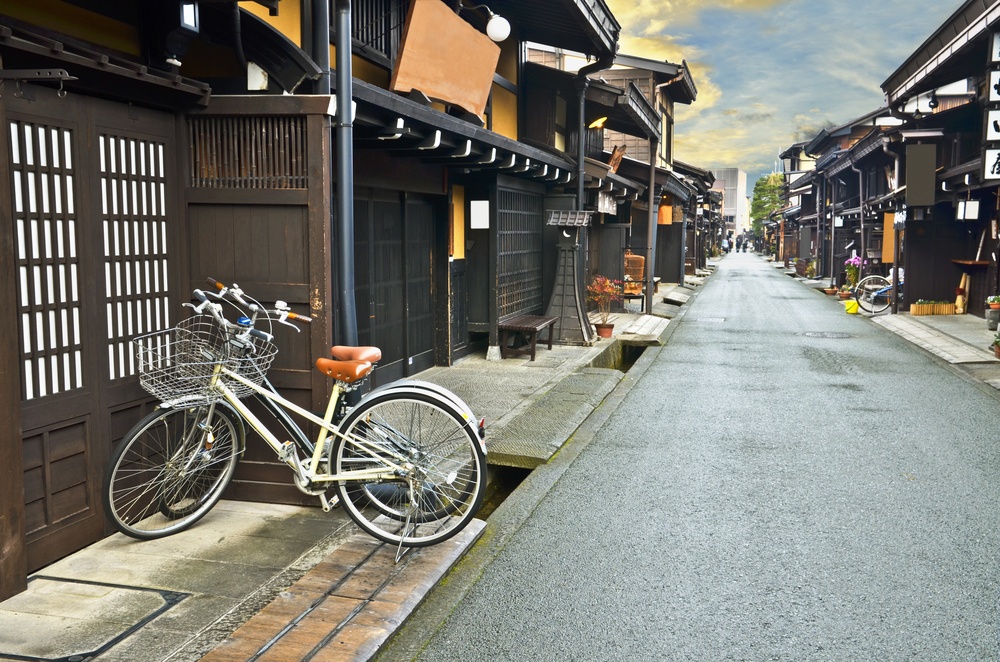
(598, 123)
(933, 102)
(169, 26)
(497, 27)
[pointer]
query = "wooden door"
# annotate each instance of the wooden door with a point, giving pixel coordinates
(89, 202)
(394, 253)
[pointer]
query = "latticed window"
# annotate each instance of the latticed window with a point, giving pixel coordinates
(45, 224)
(378, 27)
(134, 219)
(251, 152)
(520, 222)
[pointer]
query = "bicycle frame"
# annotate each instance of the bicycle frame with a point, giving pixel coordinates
(287, 451)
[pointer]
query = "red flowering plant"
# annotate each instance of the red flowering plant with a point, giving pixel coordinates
(603, 291)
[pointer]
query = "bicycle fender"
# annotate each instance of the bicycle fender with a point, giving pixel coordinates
(428, 386)
(446, 398)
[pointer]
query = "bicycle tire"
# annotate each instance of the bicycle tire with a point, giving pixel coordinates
(873, 294)
(147, 491)
(443, 467)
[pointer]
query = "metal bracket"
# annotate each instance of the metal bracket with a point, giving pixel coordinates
(35, 74)
(21, 75)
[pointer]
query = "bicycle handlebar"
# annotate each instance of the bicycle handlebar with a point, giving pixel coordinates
(280, 313)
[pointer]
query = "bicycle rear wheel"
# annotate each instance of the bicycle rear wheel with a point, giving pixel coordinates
(441, 476)
(873, 294)
(171, 469)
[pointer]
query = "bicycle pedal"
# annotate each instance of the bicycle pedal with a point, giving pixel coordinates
(329, 504)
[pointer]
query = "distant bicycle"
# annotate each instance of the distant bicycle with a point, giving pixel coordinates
(874, 293)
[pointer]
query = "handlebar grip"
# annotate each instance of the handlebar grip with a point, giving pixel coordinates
(216, 284)
(257, 333)
(200, 296)
(299, 318)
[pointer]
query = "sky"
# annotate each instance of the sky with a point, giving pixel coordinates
(770, 73)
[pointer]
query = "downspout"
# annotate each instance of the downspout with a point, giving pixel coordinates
(861, 217)
(345, 174)
(581, 80)
(822, 226)
(651, 227)
(895, 230)
(238, 36)
(321, 43)
(833, 229)
(602, 63)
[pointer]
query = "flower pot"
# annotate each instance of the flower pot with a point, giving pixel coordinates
(995, 306)
(944, 309)
(604, 330)
(996, 351)
(845, 295)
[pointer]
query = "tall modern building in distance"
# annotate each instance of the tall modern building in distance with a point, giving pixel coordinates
(735, 201)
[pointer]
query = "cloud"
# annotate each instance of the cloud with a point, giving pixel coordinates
(645, 16)
(770, 73)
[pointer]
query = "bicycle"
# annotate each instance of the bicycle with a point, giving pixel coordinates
(874, 293)
(407, 462)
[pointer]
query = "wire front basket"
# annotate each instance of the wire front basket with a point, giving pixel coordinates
(177, 365)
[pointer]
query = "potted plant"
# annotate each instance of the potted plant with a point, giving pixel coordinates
(996, 345)
(852, 266)
(993, 301)
(845, 292)
(922, 307)
(603, 291)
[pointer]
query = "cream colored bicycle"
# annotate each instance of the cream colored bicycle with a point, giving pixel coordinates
(407, 462)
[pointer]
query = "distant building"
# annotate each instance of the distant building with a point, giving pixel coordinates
(735, 203)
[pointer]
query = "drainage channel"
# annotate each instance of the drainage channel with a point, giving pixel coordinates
(504, 480)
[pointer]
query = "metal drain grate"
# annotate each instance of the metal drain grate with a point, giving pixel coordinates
(86, 617)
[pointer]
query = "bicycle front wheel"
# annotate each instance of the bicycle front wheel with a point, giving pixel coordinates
(438, 466)
(171, 469)
(873, 294)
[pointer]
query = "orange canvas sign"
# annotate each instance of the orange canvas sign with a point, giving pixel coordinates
(445, 58)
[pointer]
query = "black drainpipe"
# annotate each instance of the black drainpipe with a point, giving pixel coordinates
(602, 63)
(321, 43)
(345, 175)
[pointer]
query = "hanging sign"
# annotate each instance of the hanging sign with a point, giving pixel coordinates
(991, 164)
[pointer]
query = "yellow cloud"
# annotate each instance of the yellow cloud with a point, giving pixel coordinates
(641, 17)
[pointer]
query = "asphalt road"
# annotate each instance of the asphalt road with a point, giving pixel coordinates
(783, 482)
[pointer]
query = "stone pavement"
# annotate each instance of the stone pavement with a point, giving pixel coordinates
(272, 582)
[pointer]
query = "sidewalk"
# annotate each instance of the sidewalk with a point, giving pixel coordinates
(284, 582)
(964, 341)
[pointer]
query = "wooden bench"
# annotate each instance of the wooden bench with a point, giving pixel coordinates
(527, 325)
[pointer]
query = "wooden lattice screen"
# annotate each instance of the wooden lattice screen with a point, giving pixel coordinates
(520, 222)
(251, 152)
(134, 218)
(45, 222)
